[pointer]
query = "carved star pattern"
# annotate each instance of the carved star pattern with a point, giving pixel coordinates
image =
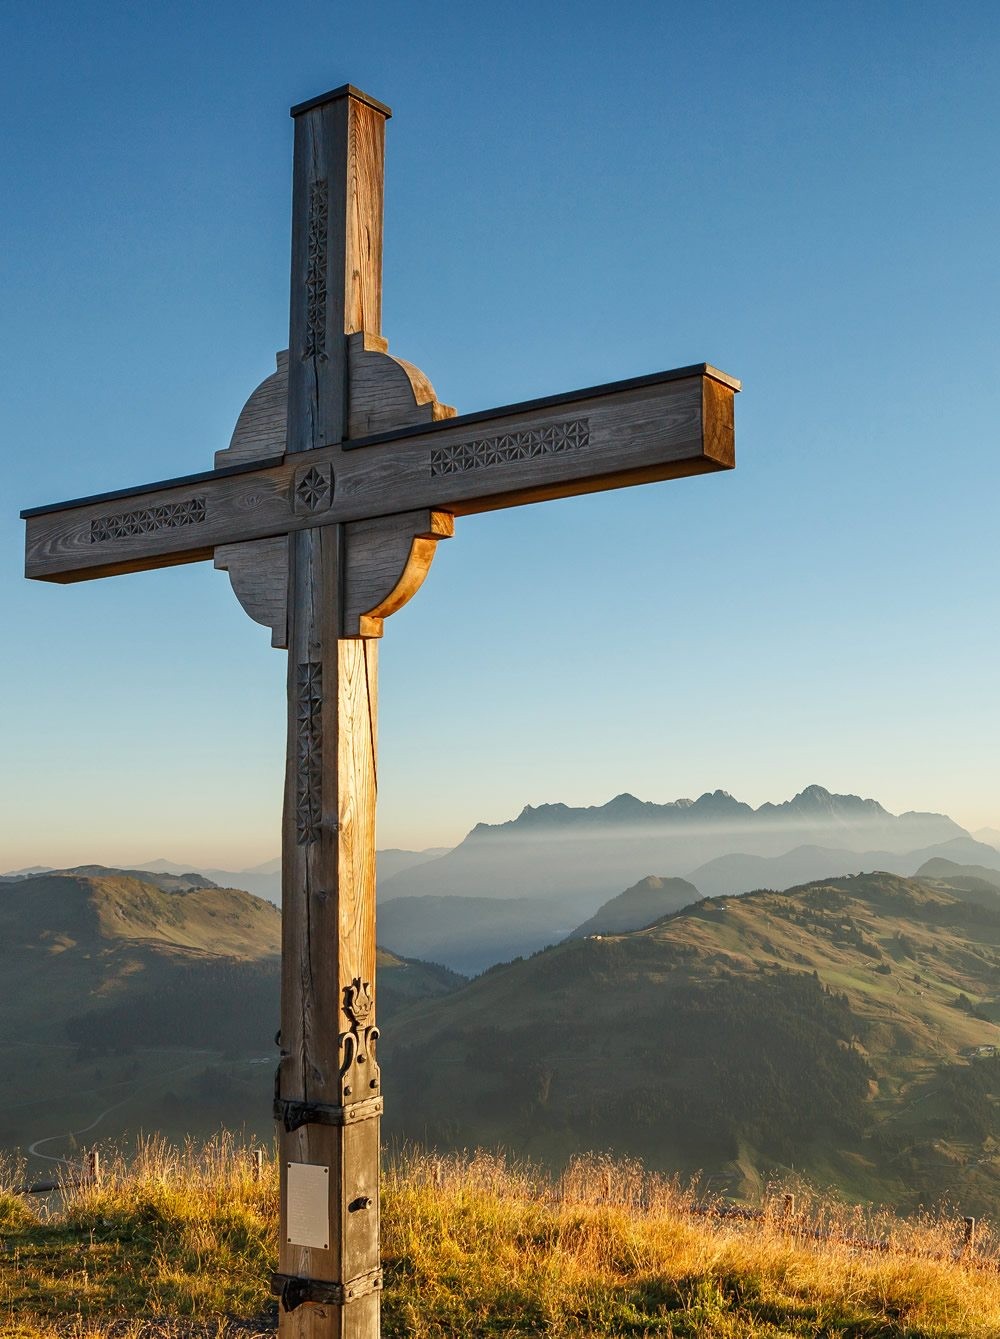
(568, 436)
(309, 752)
(315, 345)
(145, 520)
(313, 489)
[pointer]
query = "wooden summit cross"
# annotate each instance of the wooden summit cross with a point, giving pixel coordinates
(343, 473)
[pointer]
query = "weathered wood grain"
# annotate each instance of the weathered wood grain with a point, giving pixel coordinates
(258, 573)
(261, 428)
(719, 422)
(336, 257)
(386, 393)
(328, 897)
(660, 429)
(351, 836)
(387, 560)
(328, 1033)
(362, 253)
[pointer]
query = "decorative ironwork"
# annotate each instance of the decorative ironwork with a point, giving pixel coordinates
(309, 753)
(146, 520)
(293, 1114)
(315, 346)
(295, 1291)
(314, 488)
(358, 1002)
(556, 437)
(358, 1044)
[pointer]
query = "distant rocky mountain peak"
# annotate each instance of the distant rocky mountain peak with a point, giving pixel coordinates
(553, 866)
(815, 804)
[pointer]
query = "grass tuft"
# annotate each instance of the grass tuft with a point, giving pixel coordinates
(179, 1244)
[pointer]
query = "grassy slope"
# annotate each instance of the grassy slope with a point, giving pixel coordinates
(120, 994)
(705, 1042)
(184, 1245)
(73, 943)
(67, 911)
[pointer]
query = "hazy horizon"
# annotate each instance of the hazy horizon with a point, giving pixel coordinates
(794, 194)
(124, 855)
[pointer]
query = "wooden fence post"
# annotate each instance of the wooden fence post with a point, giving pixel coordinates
(92, 1168)
(970, 1235)
(258, 1164)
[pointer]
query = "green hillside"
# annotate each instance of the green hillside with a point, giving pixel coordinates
(147, 1002)
(87, 913)
(647, 901)
(826, 1029)
(70, 942)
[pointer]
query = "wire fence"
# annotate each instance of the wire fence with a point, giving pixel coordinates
(622, 1183)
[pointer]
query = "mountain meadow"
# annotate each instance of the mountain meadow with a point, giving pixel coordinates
(836, 1040)
(180, 1245)
(845, 1030)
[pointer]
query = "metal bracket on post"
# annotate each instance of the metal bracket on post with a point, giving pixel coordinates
(293, 1114)
(359, 1070)
(294, 1291)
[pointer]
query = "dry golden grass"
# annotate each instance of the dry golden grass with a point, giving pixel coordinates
(181, 1243)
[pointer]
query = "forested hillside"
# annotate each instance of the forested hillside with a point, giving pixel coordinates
(152, 998)
(830, 1028)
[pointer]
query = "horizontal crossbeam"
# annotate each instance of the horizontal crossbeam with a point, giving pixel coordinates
(646, 429)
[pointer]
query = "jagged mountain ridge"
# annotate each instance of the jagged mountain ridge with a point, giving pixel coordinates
(814, 803)
(589, 854)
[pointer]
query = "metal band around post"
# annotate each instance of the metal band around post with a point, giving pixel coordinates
(294, 1291)
(294, 1114)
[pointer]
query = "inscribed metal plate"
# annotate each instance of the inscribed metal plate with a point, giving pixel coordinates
(308, 1204)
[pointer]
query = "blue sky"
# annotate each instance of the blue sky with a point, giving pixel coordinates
(805, 195)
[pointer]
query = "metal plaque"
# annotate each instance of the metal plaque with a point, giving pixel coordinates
(308, 1204)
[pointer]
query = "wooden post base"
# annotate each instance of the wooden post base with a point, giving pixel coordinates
(330, 1187)
(329, 1098)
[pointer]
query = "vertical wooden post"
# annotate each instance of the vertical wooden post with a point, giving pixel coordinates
(329, 1096)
